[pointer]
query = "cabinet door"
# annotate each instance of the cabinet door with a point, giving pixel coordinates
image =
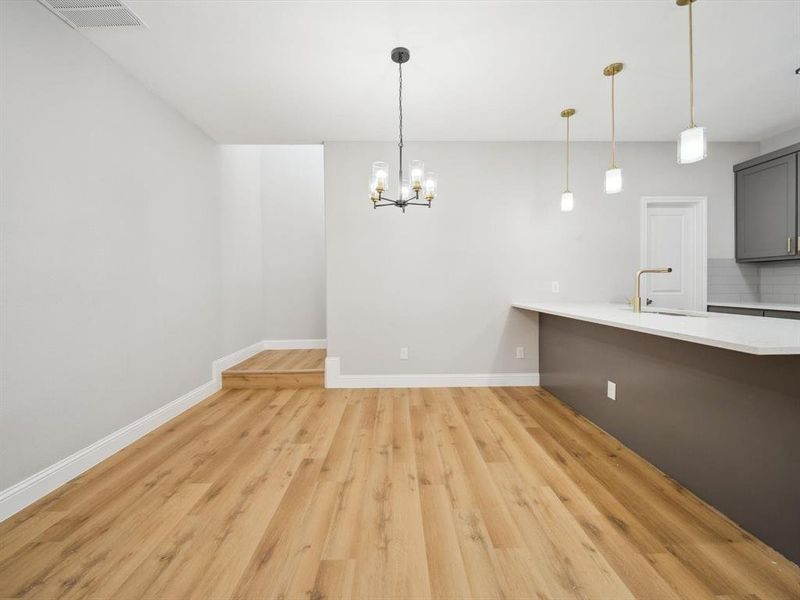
(766, 210)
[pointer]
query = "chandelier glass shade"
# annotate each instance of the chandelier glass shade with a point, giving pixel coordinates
(418, 187)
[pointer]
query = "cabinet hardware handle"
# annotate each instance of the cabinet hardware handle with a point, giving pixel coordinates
(788, 245)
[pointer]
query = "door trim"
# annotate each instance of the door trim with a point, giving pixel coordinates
(700, 206)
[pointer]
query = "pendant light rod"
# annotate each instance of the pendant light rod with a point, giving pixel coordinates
(611, 71)
(567, 188)
(613, 179)
(567, 113)
(692, 142)
(691, 69)
(613, 127)
(691, 61)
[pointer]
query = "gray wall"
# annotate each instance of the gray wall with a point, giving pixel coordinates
(781, 140)
(111, 260)
(440, 281)
(135, 250)
(293, 230)
(273, 242)
(241, 235)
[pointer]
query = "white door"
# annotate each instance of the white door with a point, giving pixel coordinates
(673, 235)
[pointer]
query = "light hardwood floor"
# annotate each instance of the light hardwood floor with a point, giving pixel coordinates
(406, 493)
(278, 369)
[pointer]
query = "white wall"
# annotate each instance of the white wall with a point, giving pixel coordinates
(293, 213)
(440, 281)
(111, 261)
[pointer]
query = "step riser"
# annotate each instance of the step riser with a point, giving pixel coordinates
(273, 380)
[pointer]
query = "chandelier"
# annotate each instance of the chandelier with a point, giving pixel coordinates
(419, 188)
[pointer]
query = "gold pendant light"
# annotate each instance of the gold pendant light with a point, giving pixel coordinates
(567, 199)
(613, 183)
(692, 142)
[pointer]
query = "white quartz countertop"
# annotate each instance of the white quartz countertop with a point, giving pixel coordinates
(758, 305)
(753, 335)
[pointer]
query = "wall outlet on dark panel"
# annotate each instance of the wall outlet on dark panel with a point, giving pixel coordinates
(612, 390)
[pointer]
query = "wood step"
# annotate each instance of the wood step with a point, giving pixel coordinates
(273, 379)
(278, 369)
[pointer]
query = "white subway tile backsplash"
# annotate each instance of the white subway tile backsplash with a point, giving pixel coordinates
(732, 282)
(781, 298)
(729, 281)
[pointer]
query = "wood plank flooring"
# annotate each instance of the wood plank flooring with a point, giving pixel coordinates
(278, 369)
(403, 493)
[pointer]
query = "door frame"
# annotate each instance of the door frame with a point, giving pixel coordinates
(700, 206)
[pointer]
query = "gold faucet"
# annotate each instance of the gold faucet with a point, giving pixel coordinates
(637, 300)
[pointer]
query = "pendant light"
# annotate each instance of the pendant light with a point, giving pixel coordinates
(614, 173)
(417, 181)
(567, 199)
(692, 142)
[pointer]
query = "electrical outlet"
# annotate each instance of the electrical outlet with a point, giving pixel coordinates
(520, 351)
(403, 353)
(554, 287)
(612, 390)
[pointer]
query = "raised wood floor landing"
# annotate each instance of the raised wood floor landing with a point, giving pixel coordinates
(278, 369)
(407, 493)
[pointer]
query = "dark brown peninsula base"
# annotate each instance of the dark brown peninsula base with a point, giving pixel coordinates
(724, 424)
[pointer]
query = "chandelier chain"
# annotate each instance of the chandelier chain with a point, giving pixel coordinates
(400, 102)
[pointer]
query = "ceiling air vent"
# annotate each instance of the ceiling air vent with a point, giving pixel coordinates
(94, 13)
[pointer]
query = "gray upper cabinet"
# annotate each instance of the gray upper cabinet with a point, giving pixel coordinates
(767, 217)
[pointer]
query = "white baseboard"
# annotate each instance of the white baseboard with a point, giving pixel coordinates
(226, 362)
(334, 379)
(294, 344)
(29, 490)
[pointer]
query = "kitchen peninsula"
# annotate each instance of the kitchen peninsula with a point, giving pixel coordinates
(711, 399)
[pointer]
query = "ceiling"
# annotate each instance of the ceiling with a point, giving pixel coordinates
(305, 72)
